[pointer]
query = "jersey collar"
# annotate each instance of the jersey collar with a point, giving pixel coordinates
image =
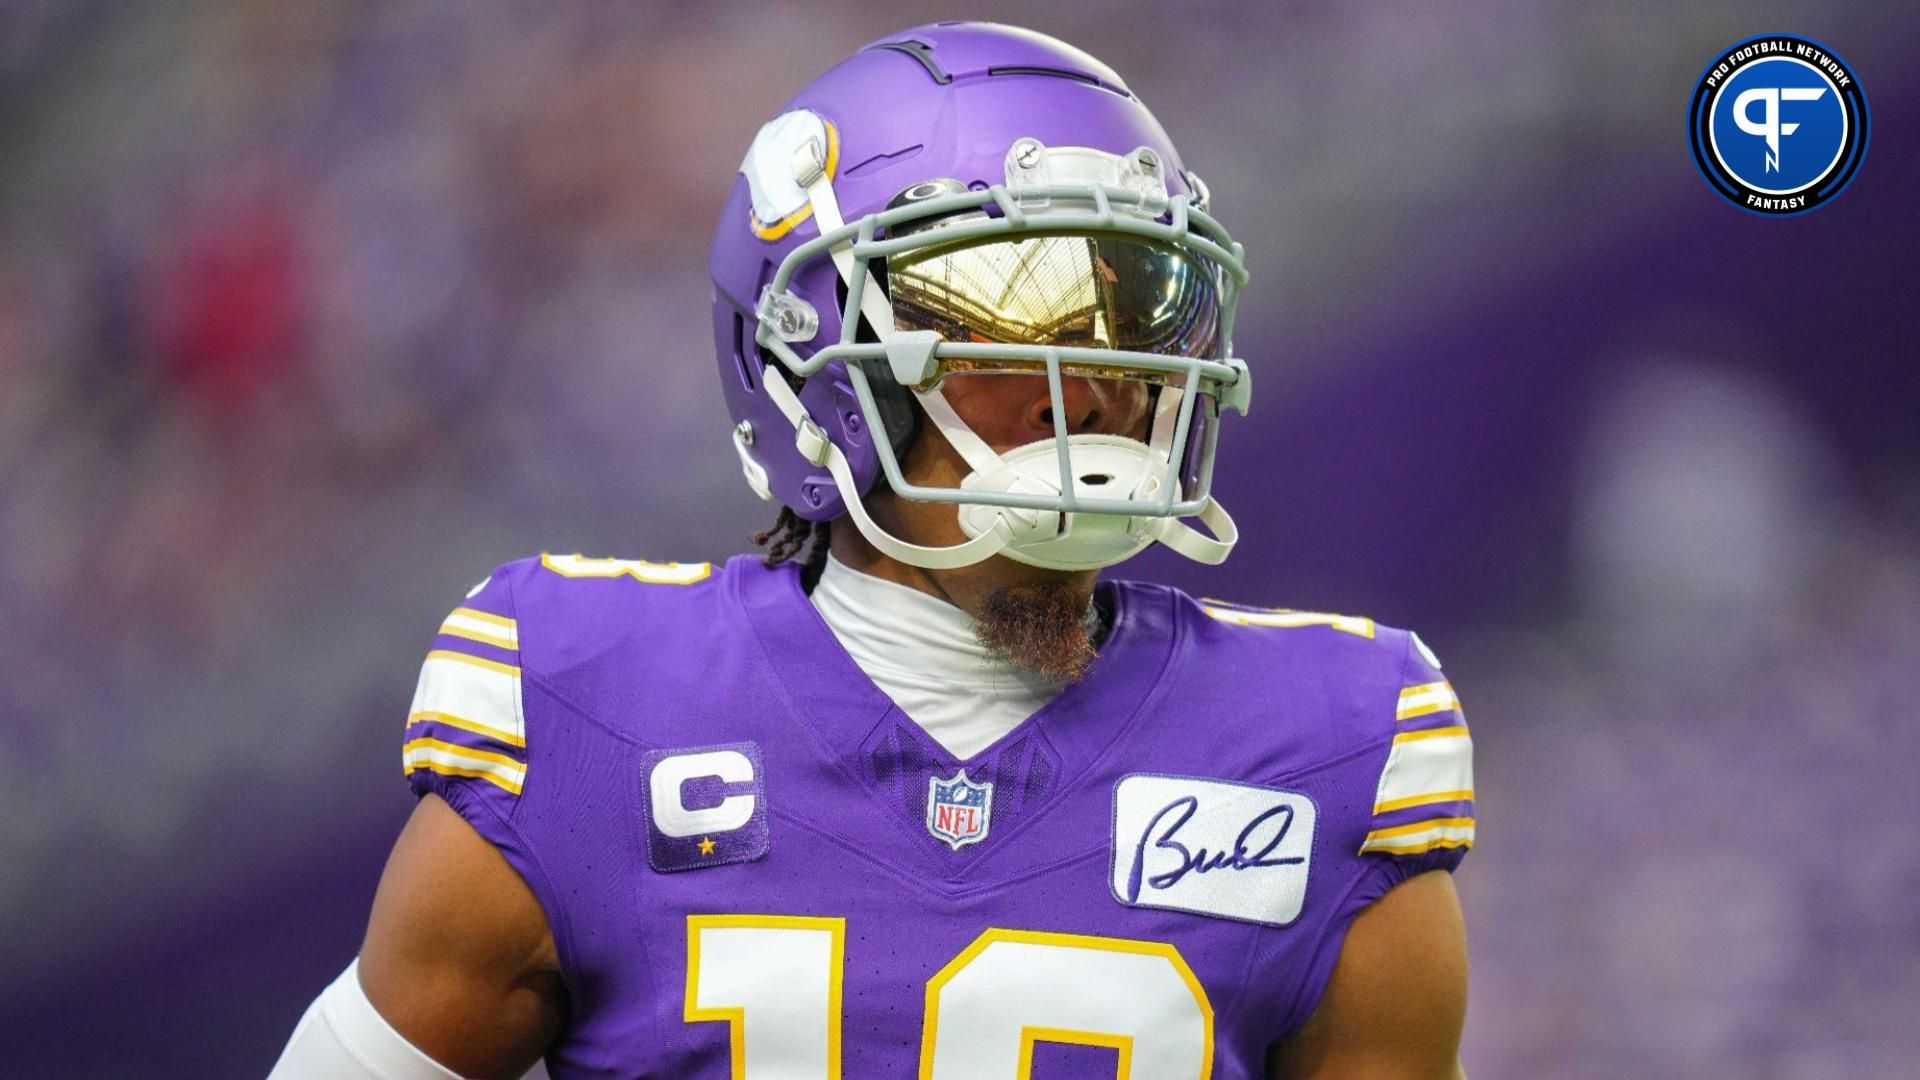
(846, 710)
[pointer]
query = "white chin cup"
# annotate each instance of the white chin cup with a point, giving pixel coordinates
(1105, 467)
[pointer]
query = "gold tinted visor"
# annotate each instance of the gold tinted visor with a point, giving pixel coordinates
(1093, 290)
(1037, 367)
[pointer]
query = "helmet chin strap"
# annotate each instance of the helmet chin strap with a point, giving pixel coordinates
(810, 171)
(1036, 537)
(820, 450)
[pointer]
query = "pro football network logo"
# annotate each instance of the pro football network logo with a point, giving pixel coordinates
(958, 809)
(1778, 124)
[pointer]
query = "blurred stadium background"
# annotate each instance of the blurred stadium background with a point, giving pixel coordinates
(310, 313)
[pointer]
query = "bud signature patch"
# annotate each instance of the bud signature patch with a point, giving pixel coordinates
(1211, 847)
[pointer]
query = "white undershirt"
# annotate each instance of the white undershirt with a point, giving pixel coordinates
(922, 653)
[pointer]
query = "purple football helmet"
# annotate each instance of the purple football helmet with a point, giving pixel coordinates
(969, 198)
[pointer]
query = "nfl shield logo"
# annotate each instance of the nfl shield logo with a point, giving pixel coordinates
(958, 809)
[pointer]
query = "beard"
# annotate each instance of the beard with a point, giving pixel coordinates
(1046, 627)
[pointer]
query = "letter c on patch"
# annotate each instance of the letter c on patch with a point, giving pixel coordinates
(667, 783)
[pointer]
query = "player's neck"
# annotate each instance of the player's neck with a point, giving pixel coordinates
(1017, 610)
(898, 626)
(855, 553)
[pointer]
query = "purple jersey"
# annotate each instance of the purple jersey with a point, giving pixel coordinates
(756, 867)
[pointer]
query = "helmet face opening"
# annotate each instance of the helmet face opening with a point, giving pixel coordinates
(1094, 282)
(1009, 406)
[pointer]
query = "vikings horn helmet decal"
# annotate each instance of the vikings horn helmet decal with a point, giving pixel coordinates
(972, 198)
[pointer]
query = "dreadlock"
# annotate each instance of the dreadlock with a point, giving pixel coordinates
(793, 535)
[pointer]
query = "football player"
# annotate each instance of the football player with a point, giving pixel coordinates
(914, 793)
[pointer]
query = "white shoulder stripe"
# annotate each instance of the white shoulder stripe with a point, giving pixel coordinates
(453, 759)
(1427, 768)
(484, 693)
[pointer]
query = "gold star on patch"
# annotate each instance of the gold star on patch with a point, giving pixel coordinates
(706, 845)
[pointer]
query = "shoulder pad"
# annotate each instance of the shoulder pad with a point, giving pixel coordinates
(1424, 800)
(466, 722)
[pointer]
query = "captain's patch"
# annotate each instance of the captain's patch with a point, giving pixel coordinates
(705, 806)
(1211, 847)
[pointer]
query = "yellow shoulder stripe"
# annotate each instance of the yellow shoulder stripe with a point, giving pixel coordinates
(452, 759)
(500, 621)
(1426, 699)
(463, 658)
(476, 634)
(1456, 731)
(1420, 827)
(446, 769)
(1421, 800)
(462, 751)
(1422, 847)
(464, 724)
